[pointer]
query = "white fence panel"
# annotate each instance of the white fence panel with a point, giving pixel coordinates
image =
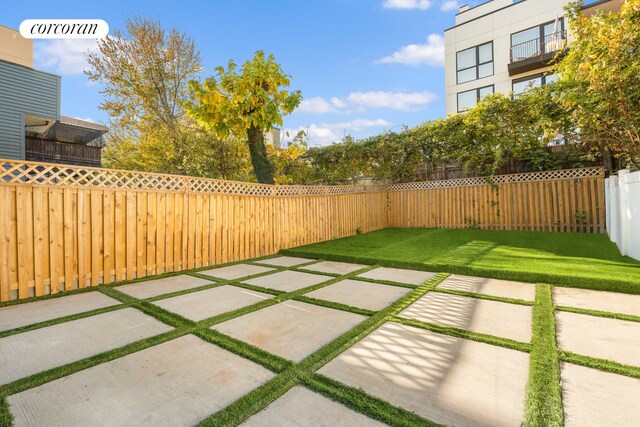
(622, 195)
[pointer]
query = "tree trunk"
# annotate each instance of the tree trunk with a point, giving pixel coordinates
(261, 165)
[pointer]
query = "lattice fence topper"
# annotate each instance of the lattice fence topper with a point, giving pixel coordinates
(20, 172)
(554, 175)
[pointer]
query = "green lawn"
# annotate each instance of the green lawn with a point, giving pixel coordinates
(569, 259)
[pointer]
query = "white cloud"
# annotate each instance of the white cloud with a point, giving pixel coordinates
(327, 133)
(86, 119)
(316, 105)
(406, 4)
(64, 56)
(430, 53)
(360, 101)
(392, 100)
(338, 103)
(449, 5)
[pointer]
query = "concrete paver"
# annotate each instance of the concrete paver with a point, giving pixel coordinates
(448, 380)
(34, 351)
(593, 398)
(301, 407)
(179, 382)
(237, 271)
(498, 288)
(201, 305)
(153, 288)
(488, 317)
(335, 267)
(356, 293)
(288, 280)
(15, 316)
(291, 329)
(285, 261)
(399, 275)
(597, 300)
(612, 339)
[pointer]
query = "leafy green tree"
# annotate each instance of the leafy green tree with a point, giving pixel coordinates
(144, 73)
(246, 104)
(599, 81)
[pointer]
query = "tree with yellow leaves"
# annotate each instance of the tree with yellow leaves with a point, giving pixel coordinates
(245, 104)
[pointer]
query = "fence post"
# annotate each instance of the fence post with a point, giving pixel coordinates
(623, 212)
(632, 185)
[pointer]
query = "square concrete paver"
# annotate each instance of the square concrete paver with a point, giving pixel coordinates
(594, 398)
(291, 329)
(285, 261)
(201, 305)
(612, 339)
(179, 382)
(301, 407)
(448, 380)
(19, 315)
(237, 271)
(153, 288)
(498, 288)
(597, 300)
(399, 275)
(356, 293)
(288, 280)
(25, 354)
(335, 267)
(488, 317)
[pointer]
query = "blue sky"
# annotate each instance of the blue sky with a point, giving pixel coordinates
(362, 66)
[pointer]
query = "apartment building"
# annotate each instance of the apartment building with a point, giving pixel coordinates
(505, 46)
(31, 124)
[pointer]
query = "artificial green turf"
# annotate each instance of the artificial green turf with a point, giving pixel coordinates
(544, 396)
(569, 259)
(544, 405)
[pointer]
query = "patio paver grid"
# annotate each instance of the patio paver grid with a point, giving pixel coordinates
(413, 349)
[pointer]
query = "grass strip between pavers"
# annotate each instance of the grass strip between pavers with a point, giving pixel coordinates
(63, 319)
(255, 354)
(463, 333)
(364, 403)
(483, 296)
(336, 305)
(598, 313)
(543, 402)
(252, 402)
(600, 364)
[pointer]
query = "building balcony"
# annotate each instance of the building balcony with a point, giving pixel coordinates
(536, 53)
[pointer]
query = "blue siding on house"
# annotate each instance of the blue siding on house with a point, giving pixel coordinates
(24, 90)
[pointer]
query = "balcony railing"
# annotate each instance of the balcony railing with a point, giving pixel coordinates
(539, 47)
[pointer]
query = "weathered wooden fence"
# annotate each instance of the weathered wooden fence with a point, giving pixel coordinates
(67, 227)
(563, 200)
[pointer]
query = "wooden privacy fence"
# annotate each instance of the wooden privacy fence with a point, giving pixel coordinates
(67, 227)
(562, 200)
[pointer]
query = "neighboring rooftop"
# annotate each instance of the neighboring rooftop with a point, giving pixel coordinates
(468, 13)
(15, 48)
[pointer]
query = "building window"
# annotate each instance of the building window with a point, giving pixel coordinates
(519, 86)
(468, 99)
(474, 63)
(536, 41)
